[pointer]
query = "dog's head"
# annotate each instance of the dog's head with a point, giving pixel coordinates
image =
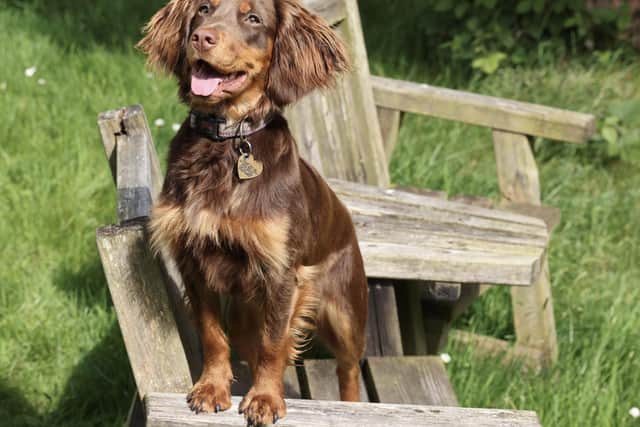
(243, 57)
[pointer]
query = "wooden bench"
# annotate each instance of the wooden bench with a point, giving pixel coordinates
(414, 246)
(170, 410)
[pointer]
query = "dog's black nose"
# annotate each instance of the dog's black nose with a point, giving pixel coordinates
(204, 39)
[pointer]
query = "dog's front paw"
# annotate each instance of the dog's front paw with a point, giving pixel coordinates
(210, 396)
(262, 408)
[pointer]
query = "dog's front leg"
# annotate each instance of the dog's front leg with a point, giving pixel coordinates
(212, 392)
(264, 403)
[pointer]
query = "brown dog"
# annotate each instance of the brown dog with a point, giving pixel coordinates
(240, 211)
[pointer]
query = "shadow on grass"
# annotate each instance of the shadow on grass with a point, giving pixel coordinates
(99, 390)
(111, 23)
(87, 285)
(15, 410)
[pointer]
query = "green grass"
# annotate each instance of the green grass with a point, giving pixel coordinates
(62, 360)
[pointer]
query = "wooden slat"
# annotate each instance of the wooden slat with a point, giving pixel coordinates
(128, 147)
(390, 128)
(322, 380)
(513, 116)
(168, 410)
(419, 380)
(394, 261)
(333, 11)
(519, 183)
(242, 381)
(532, 358)
(390, 196)
(337, 130)
(138, 290)
(383, 321)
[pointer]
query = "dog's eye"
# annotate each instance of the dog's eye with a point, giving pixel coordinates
(254, 19)
(204, 9)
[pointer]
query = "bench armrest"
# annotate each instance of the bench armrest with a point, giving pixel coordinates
(496, 113)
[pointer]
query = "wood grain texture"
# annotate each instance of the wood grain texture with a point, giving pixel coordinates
(128, 147)
(409, 236)
(322, 380)
(337, 129)
(333, 11)
(496, 113)
(390, 128)
(169, 410)
(383, 323)
(419, 380)
(519, 183)
(138, 290)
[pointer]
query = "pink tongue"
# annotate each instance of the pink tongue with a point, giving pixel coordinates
(204, 86)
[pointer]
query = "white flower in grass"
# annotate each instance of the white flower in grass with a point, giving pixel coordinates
(445, 357)
(175, 127)
(3, 86)
(634, 412)
(42, 82)
(29, 72)
(159, 122)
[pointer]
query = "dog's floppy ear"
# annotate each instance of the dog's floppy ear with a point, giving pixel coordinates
(307, 54)
(165, 36)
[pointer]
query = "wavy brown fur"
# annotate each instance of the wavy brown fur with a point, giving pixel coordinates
(281, 245)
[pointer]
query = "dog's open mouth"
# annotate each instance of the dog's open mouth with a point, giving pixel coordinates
(207, 81)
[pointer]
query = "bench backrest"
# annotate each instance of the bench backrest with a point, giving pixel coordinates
(337, 130)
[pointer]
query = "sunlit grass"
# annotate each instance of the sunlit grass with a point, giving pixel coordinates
(62, 361)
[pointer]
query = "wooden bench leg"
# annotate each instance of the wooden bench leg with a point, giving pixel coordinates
(520, 183)
(440, 315)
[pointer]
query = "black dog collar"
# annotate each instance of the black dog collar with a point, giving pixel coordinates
(216, 128)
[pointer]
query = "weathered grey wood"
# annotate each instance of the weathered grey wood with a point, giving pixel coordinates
(419, 380)
(127, 141)
(242, 381)
(333, 11)
(389, 196)
(322, 380)
(169, 410)
(373, 338)
(390, 128)
(138, 290)
(413, 237)
(417, 262)
(337, 130)
(532, 358)
(519, 183)
(513, 116)
(383, 320)
(128, 145)
(549, 214)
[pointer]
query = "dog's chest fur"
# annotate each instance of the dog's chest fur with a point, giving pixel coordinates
(210, 221)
